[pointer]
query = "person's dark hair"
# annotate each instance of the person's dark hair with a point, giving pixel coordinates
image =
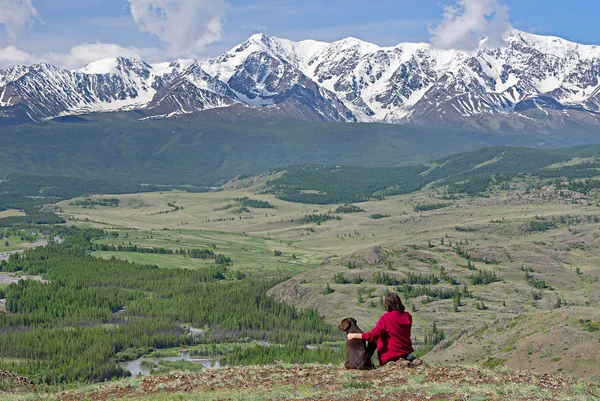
(393, 302)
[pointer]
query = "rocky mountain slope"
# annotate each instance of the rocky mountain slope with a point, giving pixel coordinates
(531, 82)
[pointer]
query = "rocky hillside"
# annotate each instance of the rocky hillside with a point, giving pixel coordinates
(535, 82)
(511, 277)
(563, 340)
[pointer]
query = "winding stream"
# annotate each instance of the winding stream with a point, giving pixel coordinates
(135, 366)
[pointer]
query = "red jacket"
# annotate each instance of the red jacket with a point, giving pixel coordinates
(393, 332)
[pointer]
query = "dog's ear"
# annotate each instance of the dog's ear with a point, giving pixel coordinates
(344, 325)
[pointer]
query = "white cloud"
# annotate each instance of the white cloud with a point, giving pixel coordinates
(465, 24)
(79, 56)
(83, 54)
(185, 26)
(15, 14)
(260, 28)
(10, 56)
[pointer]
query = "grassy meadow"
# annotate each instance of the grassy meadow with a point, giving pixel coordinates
(11, 213)
(15, 243)
(250, 239)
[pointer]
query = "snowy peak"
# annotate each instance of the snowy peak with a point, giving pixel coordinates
(174, 67)
(284, 48)
(13, 73)
(123, 66)
(265, 71)
(297, 54)
(532, 79)
(353, 45)
(553, 45)
(42, 91)
(104, 66)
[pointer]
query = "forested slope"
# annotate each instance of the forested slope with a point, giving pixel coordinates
(471, 173)
(73, 327)
(190, 150)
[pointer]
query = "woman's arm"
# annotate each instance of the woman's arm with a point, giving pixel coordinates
(354, 336)
(377, 331)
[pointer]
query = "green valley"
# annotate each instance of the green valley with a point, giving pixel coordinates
(516, 257)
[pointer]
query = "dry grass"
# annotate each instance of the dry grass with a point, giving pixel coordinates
(11, 213)
(329, 382)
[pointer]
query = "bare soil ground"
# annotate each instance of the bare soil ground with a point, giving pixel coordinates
(6, 255)
(12, 278)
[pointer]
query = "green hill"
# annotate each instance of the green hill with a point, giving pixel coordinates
(471, 173)
(528, 243)
(468, 172)
(185, 151)
(192, 151)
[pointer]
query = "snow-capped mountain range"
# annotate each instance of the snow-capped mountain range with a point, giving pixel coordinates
(546, 81)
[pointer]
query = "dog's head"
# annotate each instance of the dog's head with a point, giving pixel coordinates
(347, 323)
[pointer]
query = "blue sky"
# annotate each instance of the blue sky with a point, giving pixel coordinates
(61, 31)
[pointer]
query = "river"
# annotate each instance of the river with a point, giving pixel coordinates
(135, 366)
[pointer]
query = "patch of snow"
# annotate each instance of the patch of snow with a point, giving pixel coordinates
(256, 102)
(162, 68)
(549, 83)
(104, 66)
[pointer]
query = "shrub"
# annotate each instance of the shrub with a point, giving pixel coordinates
(379, 216)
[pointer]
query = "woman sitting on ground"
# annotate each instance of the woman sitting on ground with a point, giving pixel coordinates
(392, 333)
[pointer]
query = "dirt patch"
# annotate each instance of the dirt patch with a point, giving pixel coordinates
(6, 255)
(11, 278)
(13, 382)
(50, 208)
(291, 292)
(373, 256)
(249, 182)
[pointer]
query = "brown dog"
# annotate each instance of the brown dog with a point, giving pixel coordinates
(358, 353)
